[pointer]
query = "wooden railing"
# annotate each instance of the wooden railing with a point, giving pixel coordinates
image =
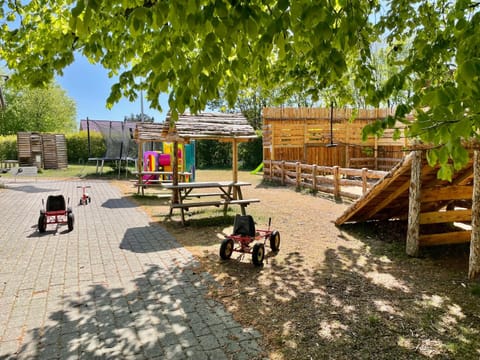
(341, 182)
(383, 164)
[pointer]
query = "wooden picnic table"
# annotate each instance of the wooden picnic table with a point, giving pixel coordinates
(224, 193)
(158, 178)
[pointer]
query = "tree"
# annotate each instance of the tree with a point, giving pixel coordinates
(139, 118)
(193, 48)
(41, 109)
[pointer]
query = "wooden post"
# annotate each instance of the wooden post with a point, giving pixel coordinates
(283, 172)
(336, 181)
(272, 142)
(314, 177)
(375, 153)
(413, 230)
(474, 260)
(271, 169)
(140, 167)
(235, 166)
(235, 160)
(298, 173)
(347, 141)
(364, 180)
(175, 193)
(305, 141)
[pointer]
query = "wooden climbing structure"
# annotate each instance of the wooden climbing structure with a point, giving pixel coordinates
(330, 137)
(438, 212)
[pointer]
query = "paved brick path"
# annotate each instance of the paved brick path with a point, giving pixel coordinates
(116, 287)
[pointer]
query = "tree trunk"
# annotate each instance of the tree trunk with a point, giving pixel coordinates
(413, 231)
(175, 194)
(474, 261)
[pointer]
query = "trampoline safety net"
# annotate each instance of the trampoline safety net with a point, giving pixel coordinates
(117, 136)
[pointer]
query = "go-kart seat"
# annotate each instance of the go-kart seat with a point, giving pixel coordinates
(243, 225)
(56, 203)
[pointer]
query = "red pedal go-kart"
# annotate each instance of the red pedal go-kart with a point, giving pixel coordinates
(56, 212)
(244, 234)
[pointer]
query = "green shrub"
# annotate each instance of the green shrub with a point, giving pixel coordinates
(213, 154)
(77, 146)
(250, 154)
(8, 147)
(216, 154)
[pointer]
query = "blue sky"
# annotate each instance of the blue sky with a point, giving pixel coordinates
(89, 86)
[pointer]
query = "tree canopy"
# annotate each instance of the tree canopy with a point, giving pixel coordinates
(46, 109)
(193, 49)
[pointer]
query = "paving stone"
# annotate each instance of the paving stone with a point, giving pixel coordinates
(208, 342)
(115, 287)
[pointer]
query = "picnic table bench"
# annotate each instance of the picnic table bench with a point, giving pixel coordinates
(158, 178)
(228, 193)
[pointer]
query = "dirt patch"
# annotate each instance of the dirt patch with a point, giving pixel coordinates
(333, 293)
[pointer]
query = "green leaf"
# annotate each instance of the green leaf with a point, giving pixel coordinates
(443, 155)
(460, 156)
(432, 157)
(445, 172)
(77, 10)
(436, 97)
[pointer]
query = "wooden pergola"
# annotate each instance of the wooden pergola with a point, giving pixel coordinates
(232, 128)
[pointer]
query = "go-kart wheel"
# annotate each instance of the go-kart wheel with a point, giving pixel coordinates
(81, 201)
(226, 249)
(42, 223)
(70, 221)
(89, 199)
(258, 254)
(275, 240)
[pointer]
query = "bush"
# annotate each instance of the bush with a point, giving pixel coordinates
(8, 147)
(250, 154)
(216, 154)
(213, 154)
(77, 146)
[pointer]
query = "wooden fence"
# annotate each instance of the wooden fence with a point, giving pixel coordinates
(45, 151)
(307, 135)
(341, 182)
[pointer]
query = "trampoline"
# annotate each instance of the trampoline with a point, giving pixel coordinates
(118, 140)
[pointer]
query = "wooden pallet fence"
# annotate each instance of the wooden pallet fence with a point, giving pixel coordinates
(306, 135)
(327, 179)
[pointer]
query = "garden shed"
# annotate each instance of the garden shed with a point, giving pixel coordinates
(330, 137)
(46, 151)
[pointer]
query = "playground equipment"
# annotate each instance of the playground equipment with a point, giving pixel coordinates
(244, 235)
(85, 199)
(257, 169)
(162, 161)
(55, 212)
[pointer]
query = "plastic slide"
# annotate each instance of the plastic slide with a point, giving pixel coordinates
(259, 168)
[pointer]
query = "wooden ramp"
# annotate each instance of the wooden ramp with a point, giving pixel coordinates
(442, 202)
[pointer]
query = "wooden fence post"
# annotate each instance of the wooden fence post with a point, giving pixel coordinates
(298, 174)
(413, 230)
(336, 181)
(364, 180)
(283, 172)
(314, 177)
(271, 169)
(474, 260)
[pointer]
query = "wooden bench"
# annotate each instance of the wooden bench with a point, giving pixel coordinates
(151, 183)
(197, 204)
(199, 195)
(28, 171)
(242, 201)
